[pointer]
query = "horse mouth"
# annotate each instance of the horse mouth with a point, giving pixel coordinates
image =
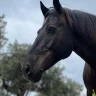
(35, 79)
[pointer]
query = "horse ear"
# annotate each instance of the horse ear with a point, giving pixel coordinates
(43, 8)
(57, 6)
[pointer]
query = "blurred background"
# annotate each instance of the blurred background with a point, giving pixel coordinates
(19, 23)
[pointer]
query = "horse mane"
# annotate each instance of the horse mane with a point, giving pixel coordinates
(83, 24)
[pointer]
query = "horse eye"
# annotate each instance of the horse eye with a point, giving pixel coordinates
(51, 30)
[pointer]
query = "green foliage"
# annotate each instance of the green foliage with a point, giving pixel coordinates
(11, 67)
(3, 39)
(94, 94)
(52, 84)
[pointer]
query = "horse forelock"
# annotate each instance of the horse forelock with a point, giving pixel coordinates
(65, 16)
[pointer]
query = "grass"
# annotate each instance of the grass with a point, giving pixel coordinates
(94, 93)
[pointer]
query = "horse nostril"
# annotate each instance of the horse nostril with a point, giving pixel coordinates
(27, 68)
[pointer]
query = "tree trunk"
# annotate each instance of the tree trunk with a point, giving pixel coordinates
(21, 92)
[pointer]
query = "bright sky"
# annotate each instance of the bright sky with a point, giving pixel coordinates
(24, 18)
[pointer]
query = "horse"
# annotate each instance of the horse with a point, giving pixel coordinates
(89, 78)
(63, 31)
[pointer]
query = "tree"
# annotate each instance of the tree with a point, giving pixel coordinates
(3, 39)
(55, 84)
(11, 69)
(52, 84)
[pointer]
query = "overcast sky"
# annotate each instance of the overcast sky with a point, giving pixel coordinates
(24, 18)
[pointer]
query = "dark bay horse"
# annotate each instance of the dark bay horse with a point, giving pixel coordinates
(63, 31)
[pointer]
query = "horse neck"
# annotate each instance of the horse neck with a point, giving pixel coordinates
(87, 53)
(85, 36)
